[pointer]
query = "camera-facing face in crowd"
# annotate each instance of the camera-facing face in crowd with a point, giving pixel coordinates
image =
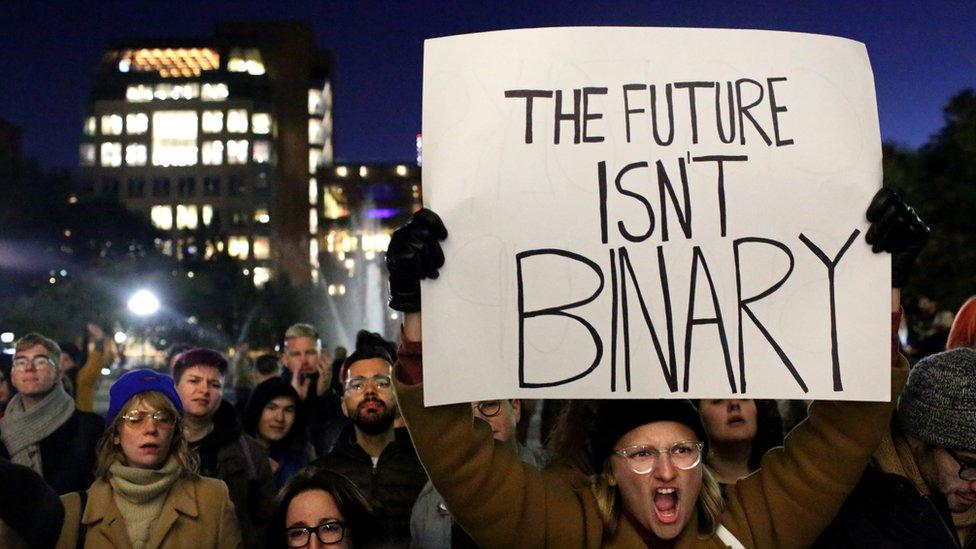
(199, 389)
(946, 471)
(662, 499)
(277, 419)
(145, 430)
(729, 420)
(34, 372)
(313, 520)
(368, 396)
(301, 354)
(501, 415)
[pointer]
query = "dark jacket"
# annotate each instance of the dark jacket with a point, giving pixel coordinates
(391, 486)
(35, 524)
(324, 414)
(235, 458)
(68, 454)
(886, 509)
(292, 452)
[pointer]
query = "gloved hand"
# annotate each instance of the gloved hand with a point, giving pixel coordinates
(414, 253)
(898, 230)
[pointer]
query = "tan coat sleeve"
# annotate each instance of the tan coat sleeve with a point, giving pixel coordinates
(800, 487)
(88, 376)
(72, 519)
(228, 531)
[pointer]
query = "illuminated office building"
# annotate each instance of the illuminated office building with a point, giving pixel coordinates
(217, 140)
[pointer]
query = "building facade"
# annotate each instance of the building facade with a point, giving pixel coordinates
(217, 140)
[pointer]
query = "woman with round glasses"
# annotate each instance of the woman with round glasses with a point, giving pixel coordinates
(319, 508)
(147, 492)
(647, 484)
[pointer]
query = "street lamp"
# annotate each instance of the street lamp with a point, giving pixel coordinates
(143, 303)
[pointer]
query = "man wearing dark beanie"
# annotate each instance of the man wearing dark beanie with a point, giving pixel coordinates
(924, 473)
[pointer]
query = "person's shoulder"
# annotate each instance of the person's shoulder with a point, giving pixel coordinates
(89, 419)
(208, 489)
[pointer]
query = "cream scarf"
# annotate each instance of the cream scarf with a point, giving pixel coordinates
(139, 495)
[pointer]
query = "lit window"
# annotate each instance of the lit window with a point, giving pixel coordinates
(237, 151)
(245, 60)
(401, 170)
(330, 205)
(135, 154)
(327, 151)
(262, 247)
(261, 215)
(112, 154)
(186, 216)
(213, 153)
(237, 246)
(261, 123)
(313, 191)
(261, 274)
(90, 125)
(316, 135)
(139, 94)
(174, 138)
(87, 154)
(237, 121)
(313, 221)
(206, 214)
(342, 171)
(363, 172)
(215, 92)
(313, 252)
(176, 91)
(327, 96)
(314, 101)
(111, 124)
(169, 62)
(213, 121)
(261, 152)
(162, 217)
(137, 123)
(314, 159)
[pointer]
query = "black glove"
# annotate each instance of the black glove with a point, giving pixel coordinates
(898, 230)
(414, 253)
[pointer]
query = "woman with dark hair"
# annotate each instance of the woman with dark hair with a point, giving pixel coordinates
(740, 432)
(147, 491)
(275, 418)
(318, 507)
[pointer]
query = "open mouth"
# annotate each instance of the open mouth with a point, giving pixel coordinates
(666, 505)
(150, 447)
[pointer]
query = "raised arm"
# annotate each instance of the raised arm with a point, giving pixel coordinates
(800, 487)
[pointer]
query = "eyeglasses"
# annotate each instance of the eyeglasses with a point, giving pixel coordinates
(39, 362)
(643, 458)
(488, 408)
(136, 418)
(329, 533)
(967, 469)
(358, 384)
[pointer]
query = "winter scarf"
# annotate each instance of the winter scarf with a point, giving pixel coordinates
(139, 495)
(21, 430)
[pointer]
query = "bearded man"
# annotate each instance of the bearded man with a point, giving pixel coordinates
(371, 452)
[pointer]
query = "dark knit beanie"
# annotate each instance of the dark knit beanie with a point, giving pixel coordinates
(615, 418)
(938, 404)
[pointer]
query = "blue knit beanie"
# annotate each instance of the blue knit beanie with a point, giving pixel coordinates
(140, 381)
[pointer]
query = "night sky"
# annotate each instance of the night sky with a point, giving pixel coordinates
(921, 57)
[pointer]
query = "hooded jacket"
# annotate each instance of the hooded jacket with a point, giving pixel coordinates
(292, 452)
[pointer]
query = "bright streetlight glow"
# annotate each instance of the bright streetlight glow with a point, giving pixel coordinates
(143, 303)
(7, 337)
(120, 337)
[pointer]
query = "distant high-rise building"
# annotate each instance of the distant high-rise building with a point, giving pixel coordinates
(217, 140)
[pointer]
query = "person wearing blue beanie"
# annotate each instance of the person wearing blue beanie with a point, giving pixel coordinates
(147, 491)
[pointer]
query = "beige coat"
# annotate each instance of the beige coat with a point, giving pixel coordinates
(196, 513)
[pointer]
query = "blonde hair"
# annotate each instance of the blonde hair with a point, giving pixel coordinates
(108, 451)
(710, 504)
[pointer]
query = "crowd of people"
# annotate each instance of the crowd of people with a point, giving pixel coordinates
(304, 449)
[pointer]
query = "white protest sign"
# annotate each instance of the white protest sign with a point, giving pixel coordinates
(650, 212)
